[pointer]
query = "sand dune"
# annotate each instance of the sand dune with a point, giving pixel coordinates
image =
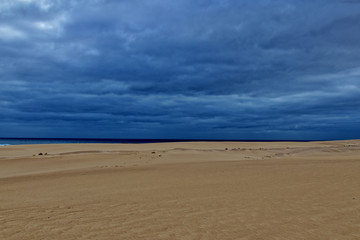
(202, 190)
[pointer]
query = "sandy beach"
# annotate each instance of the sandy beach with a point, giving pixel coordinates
(192, 190)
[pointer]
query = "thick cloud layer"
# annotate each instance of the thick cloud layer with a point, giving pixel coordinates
(180, 69)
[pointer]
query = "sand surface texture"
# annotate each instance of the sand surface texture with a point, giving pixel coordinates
(226, 190)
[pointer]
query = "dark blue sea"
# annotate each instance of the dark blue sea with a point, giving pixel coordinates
(22, 141)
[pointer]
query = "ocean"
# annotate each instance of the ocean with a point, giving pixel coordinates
(23, 141)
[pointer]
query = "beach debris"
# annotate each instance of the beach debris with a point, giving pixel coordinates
(226, 149)
(40, 154)
(153, 152)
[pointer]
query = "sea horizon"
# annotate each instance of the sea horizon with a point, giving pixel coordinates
(5, 141)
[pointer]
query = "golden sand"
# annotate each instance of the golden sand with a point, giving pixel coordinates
(202, 190)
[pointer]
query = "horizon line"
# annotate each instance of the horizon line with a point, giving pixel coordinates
(173, 139)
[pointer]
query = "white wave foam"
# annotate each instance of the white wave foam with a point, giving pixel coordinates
(1, 144)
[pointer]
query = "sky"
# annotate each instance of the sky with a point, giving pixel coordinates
(189, 69)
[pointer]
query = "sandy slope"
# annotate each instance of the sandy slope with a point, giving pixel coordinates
(201, 190)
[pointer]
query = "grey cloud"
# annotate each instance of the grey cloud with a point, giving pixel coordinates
(232, 69)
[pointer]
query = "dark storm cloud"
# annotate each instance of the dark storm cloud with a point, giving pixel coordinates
(180, 69)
